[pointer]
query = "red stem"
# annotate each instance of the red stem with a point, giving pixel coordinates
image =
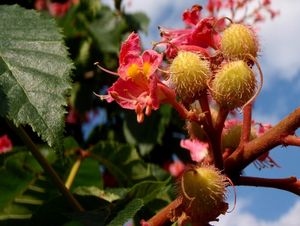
(205, 109)
(246, 131)
(214, 135)
(170, 98)
(288, 184)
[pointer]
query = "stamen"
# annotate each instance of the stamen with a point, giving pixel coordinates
(148, 110)
(105, 70)
(155, 44)
(102, 97)
(140, 118)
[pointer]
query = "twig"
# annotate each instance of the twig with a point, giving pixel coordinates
(46, 166)
(163, 216)
(290, 184)
(291, 140)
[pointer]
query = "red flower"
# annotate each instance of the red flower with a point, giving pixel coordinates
(192, 17)
(137, 87)
(202, 33)
(5, 144)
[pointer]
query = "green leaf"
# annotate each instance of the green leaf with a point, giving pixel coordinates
(107, 30)
(88, 174)
(127, 213)
(150, 190)
(123, 162)
(108, 195)
(22, 188)
(137, 21)
(34, 72)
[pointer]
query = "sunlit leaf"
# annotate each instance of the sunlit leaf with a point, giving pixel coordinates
(34, 72)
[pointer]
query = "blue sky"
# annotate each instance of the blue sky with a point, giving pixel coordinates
(280, 61)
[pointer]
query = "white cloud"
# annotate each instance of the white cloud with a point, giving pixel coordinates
(280, 41)
(241, 217)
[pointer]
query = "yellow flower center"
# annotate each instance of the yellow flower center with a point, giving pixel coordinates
(135, 72)
(146, 68)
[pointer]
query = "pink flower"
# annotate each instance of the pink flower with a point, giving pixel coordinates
(262, 128)
(214, 6)
(176, 168)
(201, 32)
(5, 144)
(198, 149)
(137, 87)
(191, 17)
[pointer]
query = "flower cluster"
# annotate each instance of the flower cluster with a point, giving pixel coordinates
(206, 72)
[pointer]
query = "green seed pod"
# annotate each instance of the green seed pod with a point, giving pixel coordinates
(233, 85)
(189, 74)
(203, 191)
(238, 41)
(231, 138)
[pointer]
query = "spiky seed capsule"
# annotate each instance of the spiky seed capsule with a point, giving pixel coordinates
(203, 191)
(231, 138)
(189, 74)
(237, 41)
(234, 84)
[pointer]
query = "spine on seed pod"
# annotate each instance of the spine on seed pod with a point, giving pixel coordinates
(189, 74)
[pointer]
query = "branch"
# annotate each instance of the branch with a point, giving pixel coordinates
(255, 148)
(290, 184)
(163, 216)
(214, 135)
(291, 140)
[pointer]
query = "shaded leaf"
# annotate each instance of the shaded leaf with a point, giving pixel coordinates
(107, 30)
(127, 213)
(23, 189)
(138, 21)
(88, 174)
(34, 71)
(148, 134)
(123, 162)
(109, 196)
(150, 190)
